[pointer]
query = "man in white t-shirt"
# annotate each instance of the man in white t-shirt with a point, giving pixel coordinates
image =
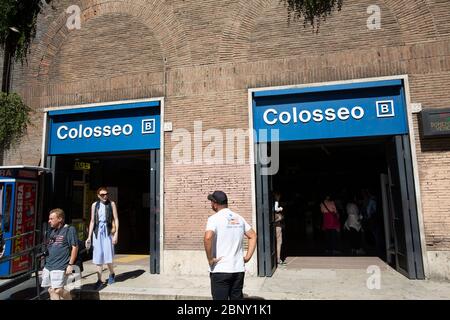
(223, 241)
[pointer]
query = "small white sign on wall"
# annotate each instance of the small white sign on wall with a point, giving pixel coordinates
(168, 126)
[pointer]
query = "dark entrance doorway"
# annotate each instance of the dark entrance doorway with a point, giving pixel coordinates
(309, 171)
(132, 179)
(346, 169)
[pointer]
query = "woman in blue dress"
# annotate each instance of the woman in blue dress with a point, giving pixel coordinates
(103, 232)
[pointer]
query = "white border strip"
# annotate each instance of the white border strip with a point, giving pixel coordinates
(411, 132)
(44, 139)
(329, 83)
(252, 150)
(161, 188)
(101, 104)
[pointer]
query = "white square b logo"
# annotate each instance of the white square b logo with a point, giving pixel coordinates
(148, 126)
(385, 109)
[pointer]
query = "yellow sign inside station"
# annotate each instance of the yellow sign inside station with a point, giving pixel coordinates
(79, 165)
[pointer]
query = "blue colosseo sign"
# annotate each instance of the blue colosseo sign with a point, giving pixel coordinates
(123, 127)
(334, 111)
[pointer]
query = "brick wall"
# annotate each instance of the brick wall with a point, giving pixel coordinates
(105, 47)
(434, 172)
(202, 58)
(187, 185)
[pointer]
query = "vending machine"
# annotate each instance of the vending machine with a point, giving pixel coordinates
(18, 217)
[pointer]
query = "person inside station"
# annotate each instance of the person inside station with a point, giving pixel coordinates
(353, 227)
(279, 225)
(331, 224)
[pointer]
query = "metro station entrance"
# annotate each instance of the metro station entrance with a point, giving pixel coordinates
(127, 177)
(335, 140)
(115, 146)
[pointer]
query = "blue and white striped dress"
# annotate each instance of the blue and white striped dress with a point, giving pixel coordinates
(103, 251)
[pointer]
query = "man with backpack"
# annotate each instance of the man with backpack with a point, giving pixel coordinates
(62, 248)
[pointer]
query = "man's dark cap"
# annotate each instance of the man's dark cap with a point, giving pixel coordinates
(219, 197)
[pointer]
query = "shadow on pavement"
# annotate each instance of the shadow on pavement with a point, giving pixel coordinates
(83, 294)
(247, 297)
(28, 294)
(129, 275)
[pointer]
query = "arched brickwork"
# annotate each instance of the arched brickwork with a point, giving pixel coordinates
(105, 47)
(156, 15)
(415, 19)
(408, 21)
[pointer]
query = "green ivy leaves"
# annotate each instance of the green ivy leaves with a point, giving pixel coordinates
(312, 11)
(18, 25)
(14, 119)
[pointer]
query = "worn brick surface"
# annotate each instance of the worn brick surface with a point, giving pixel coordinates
(202, 56)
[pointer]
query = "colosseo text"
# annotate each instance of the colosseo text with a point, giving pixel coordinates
(64, 132)
(272, 116)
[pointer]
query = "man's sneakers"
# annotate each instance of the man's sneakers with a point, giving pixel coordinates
(282, 262)
(112, 278)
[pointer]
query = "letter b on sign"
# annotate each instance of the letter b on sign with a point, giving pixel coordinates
(385, 109)
(148, 126)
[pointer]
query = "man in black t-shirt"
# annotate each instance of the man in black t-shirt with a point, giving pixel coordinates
(62, 246)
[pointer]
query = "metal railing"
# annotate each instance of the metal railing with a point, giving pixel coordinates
(36, 255)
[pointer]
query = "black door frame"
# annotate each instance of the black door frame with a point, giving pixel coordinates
(265, 220)
(409, 207)
(155, 212)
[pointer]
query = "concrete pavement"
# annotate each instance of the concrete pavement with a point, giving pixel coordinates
(303, 278)
(349, 278)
